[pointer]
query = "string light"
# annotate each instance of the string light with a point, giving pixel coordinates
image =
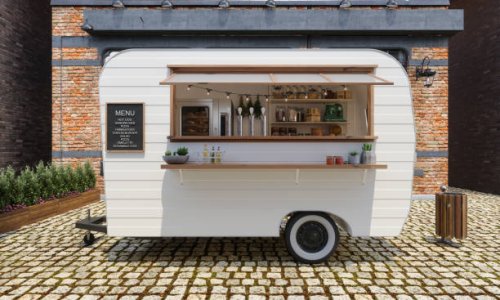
(325, 92)
(247, 96)
(345, 87)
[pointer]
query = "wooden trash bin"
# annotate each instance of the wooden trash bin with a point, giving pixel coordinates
(451, 215)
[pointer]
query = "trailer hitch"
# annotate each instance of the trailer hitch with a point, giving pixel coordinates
(90, 224)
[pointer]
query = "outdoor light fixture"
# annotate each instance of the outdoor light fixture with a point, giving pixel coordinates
(271, 3)
(224, 4)
(86, 26)
(166, 4)
(118, 4)
(392, 4)
(345, 4)
(424, 71)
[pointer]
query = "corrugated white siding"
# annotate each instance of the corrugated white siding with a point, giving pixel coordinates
(143, 200)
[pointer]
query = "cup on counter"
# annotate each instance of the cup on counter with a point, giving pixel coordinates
(339, 160)
(330, 160)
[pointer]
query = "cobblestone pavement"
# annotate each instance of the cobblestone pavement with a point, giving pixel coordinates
(46, 260)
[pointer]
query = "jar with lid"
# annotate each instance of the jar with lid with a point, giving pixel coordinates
(281, 114)
(292, 114)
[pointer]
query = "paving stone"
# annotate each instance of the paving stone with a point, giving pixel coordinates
(46, 261)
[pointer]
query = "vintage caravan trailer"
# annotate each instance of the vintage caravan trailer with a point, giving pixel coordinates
(271, 166)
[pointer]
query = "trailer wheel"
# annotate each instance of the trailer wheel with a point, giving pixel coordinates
(311, 237)
(88, 239)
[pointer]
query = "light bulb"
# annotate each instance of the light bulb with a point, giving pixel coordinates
(306, 96)
(247, 98)
(188, 88)
(345, 87)
(267, 98)
(228, 95)
(208, 92)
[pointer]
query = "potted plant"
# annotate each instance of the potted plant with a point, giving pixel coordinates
(181, 156)
(367, 156)
(353, 158)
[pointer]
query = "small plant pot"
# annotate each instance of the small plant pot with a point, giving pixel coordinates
(175, 160)
(354, 159)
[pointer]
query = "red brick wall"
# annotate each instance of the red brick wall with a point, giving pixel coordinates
(81, 119)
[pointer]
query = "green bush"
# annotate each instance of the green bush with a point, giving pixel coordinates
(29, 187)
(7, 183)
(90, 177)
(81, 184)
(43, 182)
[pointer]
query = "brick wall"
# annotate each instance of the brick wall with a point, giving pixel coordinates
(431, 119)
(25, 41)
(81, 119)
(475, 98)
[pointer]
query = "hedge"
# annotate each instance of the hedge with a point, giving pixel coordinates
(44, 182)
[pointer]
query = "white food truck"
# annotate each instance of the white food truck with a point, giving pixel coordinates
(286, 163)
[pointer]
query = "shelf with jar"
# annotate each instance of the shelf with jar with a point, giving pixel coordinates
(313, 118)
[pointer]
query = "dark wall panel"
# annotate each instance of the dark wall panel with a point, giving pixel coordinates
(475, 98)
(25, 84)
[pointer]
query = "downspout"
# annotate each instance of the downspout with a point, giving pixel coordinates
(61, 100)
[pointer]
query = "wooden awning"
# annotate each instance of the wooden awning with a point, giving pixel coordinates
(276, 79)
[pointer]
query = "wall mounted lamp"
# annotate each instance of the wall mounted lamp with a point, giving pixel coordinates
(424, 71)
(224, 4)
(345, 4)
(166, 4)
(392, 4)
(86, 26)
(118, 4)
(270, 3)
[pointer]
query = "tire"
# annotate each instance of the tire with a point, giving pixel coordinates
(311, 237)
(88, 239)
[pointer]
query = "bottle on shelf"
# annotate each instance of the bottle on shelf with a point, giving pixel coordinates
(218, 155)
(212, 155)
(205, 154)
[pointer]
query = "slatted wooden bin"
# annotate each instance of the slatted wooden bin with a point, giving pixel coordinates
(451, 215)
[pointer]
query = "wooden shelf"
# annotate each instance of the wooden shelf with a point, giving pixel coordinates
(310, 123)
(272, 139)
(309, 100)
(265, 166)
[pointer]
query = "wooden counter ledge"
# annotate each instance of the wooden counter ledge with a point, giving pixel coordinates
(277, 166)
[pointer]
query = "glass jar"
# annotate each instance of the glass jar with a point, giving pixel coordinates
(280, 114)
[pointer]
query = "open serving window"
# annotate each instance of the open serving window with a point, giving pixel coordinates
(272, 103)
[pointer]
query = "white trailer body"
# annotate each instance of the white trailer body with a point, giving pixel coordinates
(145, 201)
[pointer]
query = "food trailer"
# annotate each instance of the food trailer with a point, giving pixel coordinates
(252, 166)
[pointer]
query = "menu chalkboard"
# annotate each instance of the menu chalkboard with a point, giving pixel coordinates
(125, 127)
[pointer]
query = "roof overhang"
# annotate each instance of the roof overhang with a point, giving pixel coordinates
(212, 3)
(265, 21)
